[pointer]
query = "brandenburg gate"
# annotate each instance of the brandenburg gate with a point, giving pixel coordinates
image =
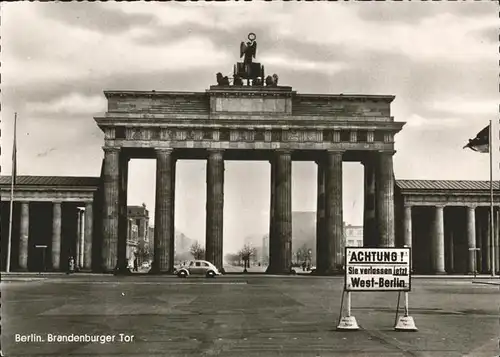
(249, 123)
(256, 120)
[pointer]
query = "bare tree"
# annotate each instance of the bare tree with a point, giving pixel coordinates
(246, 253)
(302, 254)
(197, 251)
(143, 252)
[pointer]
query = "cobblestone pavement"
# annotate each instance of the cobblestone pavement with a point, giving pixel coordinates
(242, 316)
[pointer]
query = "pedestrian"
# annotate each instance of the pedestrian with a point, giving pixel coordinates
(136, 267)
(71, 265)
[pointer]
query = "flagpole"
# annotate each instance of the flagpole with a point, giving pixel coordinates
(12, 177)
(492, 221)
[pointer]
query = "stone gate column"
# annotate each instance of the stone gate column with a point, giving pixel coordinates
(438, 241)
(471, 237)
(334, 211)
(384, 186)
(370, 234)
(215, 207)
(321, 242)
(111, 207)
(163, 262)
(273, 243)
(24, 236)
(56, 236)
(89, 223)
(283, 212)
(122, 215)
(171, 248)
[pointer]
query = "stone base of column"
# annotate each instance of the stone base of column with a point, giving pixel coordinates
(328, 273)
(122, 271)
(158, 272)
(280, 271)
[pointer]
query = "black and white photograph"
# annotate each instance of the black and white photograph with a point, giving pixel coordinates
(250, 178)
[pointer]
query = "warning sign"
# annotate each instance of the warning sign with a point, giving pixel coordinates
(377, 269)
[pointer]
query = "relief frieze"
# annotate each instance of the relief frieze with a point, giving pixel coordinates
(256, 135)
(293, 135)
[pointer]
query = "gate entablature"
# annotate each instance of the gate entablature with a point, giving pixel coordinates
(231, 117)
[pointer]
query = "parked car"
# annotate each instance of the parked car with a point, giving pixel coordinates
(198, 267)
(146, 265)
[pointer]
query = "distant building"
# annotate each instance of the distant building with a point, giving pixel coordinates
(138, 230)
(140, 216)
(132, 238)
(353, 236)
(265, 249)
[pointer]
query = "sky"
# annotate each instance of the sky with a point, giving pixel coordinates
(440, 60)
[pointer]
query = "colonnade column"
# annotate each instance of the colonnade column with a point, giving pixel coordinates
(111, 207)
(321, 243)
(215, 207)
(282, 257)
(408, 230)
(370, 235)
(89, 223)
(450, 244)
(24, 236)
(81, 244)
(164, 225)
(56, 236)
(333, 211)
(471, 238)
(497, 239)
(487, 243)
(384, 187)
(78, 236)
(438, 241)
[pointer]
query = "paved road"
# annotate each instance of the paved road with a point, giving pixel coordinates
(243, 316)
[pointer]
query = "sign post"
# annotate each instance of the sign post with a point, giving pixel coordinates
(377, 269)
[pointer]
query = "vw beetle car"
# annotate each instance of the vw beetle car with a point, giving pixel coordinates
(198, 267)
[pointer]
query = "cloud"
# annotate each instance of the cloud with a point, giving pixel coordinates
(416, 120)
(415, 12)
(489, 34)
(73, 103)
(95, 17)
(297, 64)
(443, 36)
(467, 107)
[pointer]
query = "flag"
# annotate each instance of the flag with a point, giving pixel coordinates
(481, 143)
(14, 152)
